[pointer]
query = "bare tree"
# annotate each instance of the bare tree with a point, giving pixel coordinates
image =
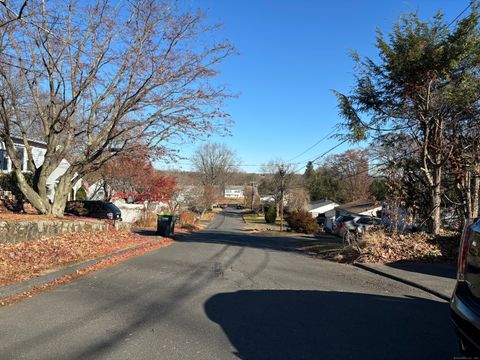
(97, 80)
(271, 183)
(278, 179)
(351, 167)
(297, 199)
(216, 163)
(9, 15)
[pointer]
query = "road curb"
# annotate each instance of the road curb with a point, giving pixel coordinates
(402, 280)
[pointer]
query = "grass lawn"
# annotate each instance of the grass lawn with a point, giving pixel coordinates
(260, 219)
(254, 219)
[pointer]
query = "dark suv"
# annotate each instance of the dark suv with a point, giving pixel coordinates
(94, 208)
(465, 302)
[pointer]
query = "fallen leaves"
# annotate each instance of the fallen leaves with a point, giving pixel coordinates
(24, 260)
(380, 247)
(145, 247)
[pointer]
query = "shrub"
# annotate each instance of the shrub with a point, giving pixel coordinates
(81, 194)
(187, 218)
(271, 215)
(148, 220)
(8, 182)
(76, 208)
(302, 221)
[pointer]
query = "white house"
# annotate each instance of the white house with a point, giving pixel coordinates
(267, 199)
(233, 192)
(96, 191)
(39, 149)
(325, 207)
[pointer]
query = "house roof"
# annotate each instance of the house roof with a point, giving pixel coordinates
(19, 140)
(320, 203)
(234, 187)
(359, 206)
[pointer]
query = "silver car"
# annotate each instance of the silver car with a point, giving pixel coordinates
(352, 223)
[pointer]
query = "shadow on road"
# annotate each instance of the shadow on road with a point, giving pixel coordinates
(448, 271)
(285, 324)
(145, 232)
(232, 234)
(241, 239)
(232, 213)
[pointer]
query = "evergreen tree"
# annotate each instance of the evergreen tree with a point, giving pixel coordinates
(424, 83)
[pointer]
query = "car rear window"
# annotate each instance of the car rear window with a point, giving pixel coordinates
(112, 207)
(344, 218)
(365, 220)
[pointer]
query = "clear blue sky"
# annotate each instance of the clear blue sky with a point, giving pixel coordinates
(292, 53)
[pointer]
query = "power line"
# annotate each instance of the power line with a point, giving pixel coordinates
(311, 147)
(190, 162)
(461, 13)
(378, 166)
(323, 154)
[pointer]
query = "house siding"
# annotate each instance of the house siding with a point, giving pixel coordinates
(38, 153)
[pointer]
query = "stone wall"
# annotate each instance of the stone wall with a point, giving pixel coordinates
(17, 231)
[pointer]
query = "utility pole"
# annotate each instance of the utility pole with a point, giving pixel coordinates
(253, 183)
(282, 171)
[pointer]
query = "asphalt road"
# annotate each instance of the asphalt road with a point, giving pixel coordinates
(226, 294)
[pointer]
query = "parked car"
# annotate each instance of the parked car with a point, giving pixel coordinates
(365, 223)
(342, 224)
(361, 224)
(465, 301)
(94, 208)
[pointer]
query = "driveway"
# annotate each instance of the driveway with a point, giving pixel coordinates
(226, 294)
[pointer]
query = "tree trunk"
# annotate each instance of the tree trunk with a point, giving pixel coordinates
(467, 196)
(475, 195)
(33, 198)
(62, 191)
(435, 215)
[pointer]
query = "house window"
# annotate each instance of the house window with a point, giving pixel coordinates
(3, 160)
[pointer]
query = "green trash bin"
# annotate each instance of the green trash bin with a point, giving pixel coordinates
(166, 224)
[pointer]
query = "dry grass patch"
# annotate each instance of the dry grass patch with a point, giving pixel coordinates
(208, 216)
